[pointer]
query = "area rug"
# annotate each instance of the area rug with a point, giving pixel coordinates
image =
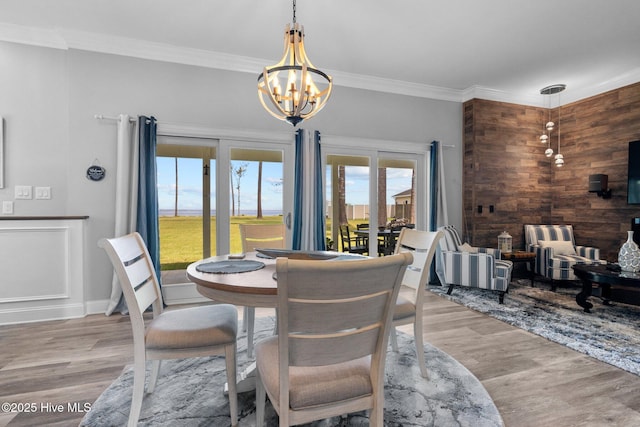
(609, 333)
(190, 393)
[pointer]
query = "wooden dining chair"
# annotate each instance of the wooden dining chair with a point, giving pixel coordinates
(258, 236)
(328, 358)
(422, 245)
(172, 334)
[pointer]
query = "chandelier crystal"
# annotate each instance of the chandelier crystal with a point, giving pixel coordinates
(549, 126)
(294, 89)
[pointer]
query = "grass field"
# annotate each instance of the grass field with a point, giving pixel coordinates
(181, 237)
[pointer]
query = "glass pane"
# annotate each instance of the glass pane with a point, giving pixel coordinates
(180, 210)
(396, 189)
(347, 186)
(186, 204)
(398, 179)
(256, 190)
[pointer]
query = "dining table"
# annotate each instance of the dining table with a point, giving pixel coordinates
(257, 287)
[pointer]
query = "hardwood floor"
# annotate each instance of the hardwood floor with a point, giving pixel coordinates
(533, 382)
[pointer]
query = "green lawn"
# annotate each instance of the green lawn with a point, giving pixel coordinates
(181, 237)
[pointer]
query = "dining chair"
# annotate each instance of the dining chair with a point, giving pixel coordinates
(422, 245)
(171, 334)
(258, 236)
(328, 358)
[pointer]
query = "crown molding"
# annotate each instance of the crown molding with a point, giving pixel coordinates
(489, 94)
(397, 87)
(65, 39)
(32, 36)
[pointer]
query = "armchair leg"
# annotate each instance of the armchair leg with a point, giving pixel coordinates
(450, 290)
(554, 285)
(501, 297)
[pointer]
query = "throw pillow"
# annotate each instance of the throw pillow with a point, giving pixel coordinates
(560, 247)
(465, 247)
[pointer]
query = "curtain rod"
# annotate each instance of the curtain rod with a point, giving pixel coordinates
(101, 117)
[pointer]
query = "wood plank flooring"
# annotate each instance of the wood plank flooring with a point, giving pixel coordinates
(533, 382)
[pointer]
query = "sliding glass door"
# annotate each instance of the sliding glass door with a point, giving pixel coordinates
(206, 187)
(371, 189)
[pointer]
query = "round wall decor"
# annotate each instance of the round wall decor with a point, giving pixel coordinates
(95, 173)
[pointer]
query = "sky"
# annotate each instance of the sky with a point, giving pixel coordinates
(190, 184)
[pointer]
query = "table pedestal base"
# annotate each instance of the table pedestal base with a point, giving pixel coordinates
(246, 381)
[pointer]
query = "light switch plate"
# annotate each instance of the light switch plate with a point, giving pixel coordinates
(43, 193)
(23, 192)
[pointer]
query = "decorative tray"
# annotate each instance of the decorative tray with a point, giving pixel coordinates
(293, 254)
(230, 266)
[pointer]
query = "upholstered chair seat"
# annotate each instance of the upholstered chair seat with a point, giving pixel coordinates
(193, 327)
(344, 381)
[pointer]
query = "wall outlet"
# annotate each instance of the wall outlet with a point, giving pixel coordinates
(43, 193)
(7, 207)
(23, 192)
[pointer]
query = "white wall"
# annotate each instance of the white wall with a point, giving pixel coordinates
(49, 98)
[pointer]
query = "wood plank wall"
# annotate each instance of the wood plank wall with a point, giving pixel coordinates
(505, 167)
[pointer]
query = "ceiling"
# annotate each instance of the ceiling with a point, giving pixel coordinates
(505, 50)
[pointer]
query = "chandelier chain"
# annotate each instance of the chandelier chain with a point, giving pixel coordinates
(294, 11)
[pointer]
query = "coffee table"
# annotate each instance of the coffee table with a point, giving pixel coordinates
(522, 256)
(606, 277)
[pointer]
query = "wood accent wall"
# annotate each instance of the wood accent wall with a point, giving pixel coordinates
(505, 167)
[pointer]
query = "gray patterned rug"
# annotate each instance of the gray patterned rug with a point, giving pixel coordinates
(609, 333)
(189, 393)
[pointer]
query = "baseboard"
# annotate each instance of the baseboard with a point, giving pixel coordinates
(41, 314)
(96, 307)
(182, 293)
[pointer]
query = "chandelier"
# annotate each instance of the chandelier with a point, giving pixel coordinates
(545, 138)
(293, 89)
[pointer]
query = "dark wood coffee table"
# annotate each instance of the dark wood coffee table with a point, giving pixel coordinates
(608, 279)
(522, 256)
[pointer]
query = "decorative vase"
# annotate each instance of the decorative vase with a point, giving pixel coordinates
(629, 255)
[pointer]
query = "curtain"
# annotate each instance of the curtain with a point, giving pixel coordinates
(135, 169)
(126, 195)
(308, 207)
(438, 201)
(147, 206)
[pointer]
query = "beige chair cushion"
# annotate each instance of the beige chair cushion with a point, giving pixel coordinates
(193, 327)
(404, 308)
(342, 382)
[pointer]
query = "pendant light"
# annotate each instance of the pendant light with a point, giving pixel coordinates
(293, 89)
(549, 126)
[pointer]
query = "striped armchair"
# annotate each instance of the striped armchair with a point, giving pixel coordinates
(556, 251)
(464, 265)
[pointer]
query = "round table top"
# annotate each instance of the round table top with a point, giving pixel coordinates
(253, 288)
(257, 288)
